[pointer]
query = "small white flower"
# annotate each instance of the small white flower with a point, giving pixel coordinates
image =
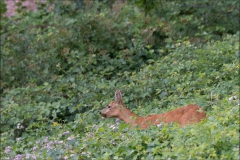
(159, 125)
(232, 98)
(8, 149)
(66, 132)
(28, 156)
(45, 139)
(117, 122)
(58, 65)
(18, 139)
(19, 126)
(34, 157)
(88, 154)
(34, 148)
(122, 136)
(69, 138)
(112, 127)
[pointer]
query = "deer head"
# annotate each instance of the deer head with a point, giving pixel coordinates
(114, 108)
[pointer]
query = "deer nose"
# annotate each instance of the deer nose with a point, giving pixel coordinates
(101, 113)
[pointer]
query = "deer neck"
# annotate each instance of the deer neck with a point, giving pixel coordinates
(127, 116)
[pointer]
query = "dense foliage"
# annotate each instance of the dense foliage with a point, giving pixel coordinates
(62, 64)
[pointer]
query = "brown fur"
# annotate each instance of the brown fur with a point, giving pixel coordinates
(189, 114)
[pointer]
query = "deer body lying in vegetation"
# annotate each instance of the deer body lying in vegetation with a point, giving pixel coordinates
(189, 114)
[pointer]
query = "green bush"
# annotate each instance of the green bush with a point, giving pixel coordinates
(62, 67)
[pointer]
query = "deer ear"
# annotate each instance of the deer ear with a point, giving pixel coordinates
(118, 96)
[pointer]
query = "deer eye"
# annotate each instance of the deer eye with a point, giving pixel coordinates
(109, 106)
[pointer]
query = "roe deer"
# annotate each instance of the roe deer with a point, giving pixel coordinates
(189, 114)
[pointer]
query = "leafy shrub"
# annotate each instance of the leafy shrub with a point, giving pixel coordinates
(200, 20)
(62, 67)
